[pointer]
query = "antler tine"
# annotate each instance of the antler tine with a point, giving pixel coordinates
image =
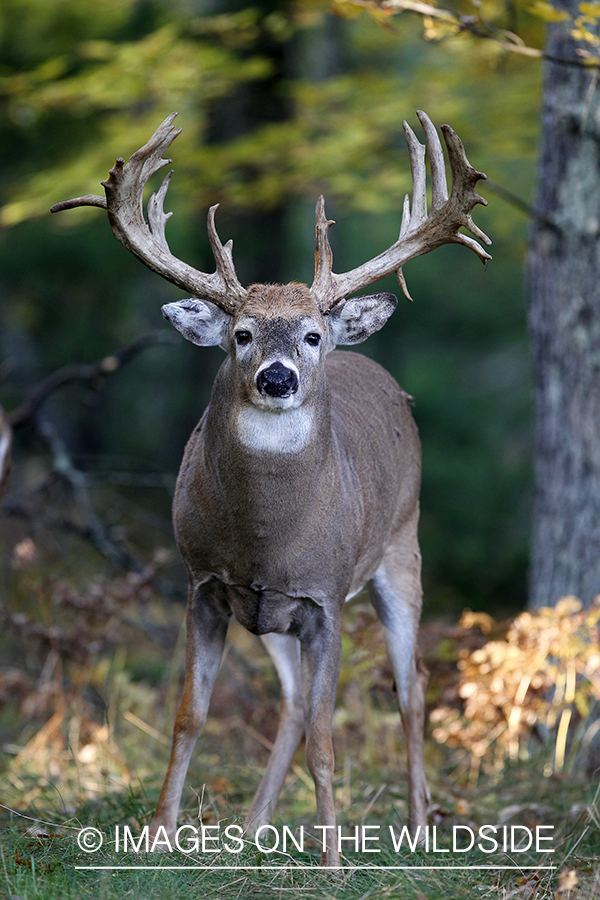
(439, 185)
(124, 203)
(404, 228)
(405, 223)
(464, 195)
(88, 200)
(416, 152)
(224, 259)
(419, 232)
(411, 219)
(323, 254)
(157, 217)
(148, 159)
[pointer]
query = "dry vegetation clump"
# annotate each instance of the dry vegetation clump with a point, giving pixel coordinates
(538, 686)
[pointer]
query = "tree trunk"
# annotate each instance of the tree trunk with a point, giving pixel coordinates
(564, 272)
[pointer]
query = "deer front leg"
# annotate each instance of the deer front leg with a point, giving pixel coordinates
(206, 623)
(284, 650)
(321, 660)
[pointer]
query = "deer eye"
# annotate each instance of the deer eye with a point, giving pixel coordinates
(313, 339)
(242, 337)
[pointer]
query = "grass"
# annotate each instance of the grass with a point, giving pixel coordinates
(41, 862)
(41, 856)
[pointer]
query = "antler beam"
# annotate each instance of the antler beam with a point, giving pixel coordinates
(124, 203)
(419, 232)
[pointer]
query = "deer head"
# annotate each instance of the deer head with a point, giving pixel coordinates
(278, 336)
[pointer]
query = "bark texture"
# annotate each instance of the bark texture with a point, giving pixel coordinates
(564, 273)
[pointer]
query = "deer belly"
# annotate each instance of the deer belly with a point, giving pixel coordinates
(262, 611)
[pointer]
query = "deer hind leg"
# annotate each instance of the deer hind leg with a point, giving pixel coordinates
(284, 650)
(206, 623)
(396, 596)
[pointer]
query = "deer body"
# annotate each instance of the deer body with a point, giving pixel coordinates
(300, 483)
(286, 530)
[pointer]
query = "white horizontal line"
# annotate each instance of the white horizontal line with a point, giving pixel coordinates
(293, 868)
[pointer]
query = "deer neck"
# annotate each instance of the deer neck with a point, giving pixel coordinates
(261, 457)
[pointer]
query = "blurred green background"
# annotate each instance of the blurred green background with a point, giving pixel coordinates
(278, 102)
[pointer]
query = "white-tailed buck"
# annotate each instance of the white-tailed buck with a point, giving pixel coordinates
(301, 481)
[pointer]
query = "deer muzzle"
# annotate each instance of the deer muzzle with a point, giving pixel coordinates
(277, 380)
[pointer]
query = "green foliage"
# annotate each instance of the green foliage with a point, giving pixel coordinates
(340, 133)
(103, 86)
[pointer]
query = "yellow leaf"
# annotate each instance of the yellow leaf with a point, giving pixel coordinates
(346, 9)
(590, 9)
(470, 619)
(547, 12)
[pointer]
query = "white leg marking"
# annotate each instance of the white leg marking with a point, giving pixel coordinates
(399, 630)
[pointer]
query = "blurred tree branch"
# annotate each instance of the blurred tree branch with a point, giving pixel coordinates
(92, 374)
(454, 22)
(91, 528)
(440, 23)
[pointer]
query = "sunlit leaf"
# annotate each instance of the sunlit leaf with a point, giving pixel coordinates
(548, 12)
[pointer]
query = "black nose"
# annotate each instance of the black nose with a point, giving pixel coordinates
(277, 381)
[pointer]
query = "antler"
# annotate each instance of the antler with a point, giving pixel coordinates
(124, 203)
(419, 232)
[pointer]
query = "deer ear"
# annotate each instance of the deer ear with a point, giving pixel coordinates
(353, 321)
(200, 321)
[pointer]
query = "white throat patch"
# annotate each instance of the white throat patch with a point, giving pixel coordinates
(285, 431)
